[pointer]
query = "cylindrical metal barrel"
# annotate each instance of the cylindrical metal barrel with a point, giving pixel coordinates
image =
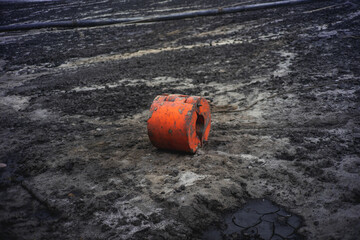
(179, 122)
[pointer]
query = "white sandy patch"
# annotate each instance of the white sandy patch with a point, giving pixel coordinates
(183, 83)
(283, 66)
(189, 178)
(40, 114)
(16, 102)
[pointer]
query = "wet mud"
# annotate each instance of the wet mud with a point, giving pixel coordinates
(284, 91)
(257, 219)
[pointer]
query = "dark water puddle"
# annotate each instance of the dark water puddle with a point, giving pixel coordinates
(258, 219)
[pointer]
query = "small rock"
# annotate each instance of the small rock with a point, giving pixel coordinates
(174, 173)
(261, 161)
(98, 134)
(136, 222)
(3, 165)
(155, 218)
(105, 228)
(69, 166)
(181, 188)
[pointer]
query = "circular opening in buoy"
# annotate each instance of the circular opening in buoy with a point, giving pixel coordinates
(200, 126)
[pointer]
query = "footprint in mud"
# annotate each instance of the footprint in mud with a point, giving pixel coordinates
(258, 219)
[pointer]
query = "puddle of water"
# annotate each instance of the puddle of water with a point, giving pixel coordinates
(258, 219)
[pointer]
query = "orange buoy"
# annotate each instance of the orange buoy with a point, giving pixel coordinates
(179, 122)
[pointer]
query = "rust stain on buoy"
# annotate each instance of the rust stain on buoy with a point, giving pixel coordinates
(179, 122)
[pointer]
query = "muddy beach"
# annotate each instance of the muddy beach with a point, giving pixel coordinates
(283, 156)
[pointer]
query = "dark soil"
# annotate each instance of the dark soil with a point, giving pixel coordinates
(284, 86)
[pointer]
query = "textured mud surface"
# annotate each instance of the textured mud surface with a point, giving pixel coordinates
(284, 86)
(258, 219)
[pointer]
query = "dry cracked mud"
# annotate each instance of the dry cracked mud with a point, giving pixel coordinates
(284, 86)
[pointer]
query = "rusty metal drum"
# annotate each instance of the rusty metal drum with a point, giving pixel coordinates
(179, 122)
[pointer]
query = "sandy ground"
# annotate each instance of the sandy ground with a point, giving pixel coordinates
(284, 86)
